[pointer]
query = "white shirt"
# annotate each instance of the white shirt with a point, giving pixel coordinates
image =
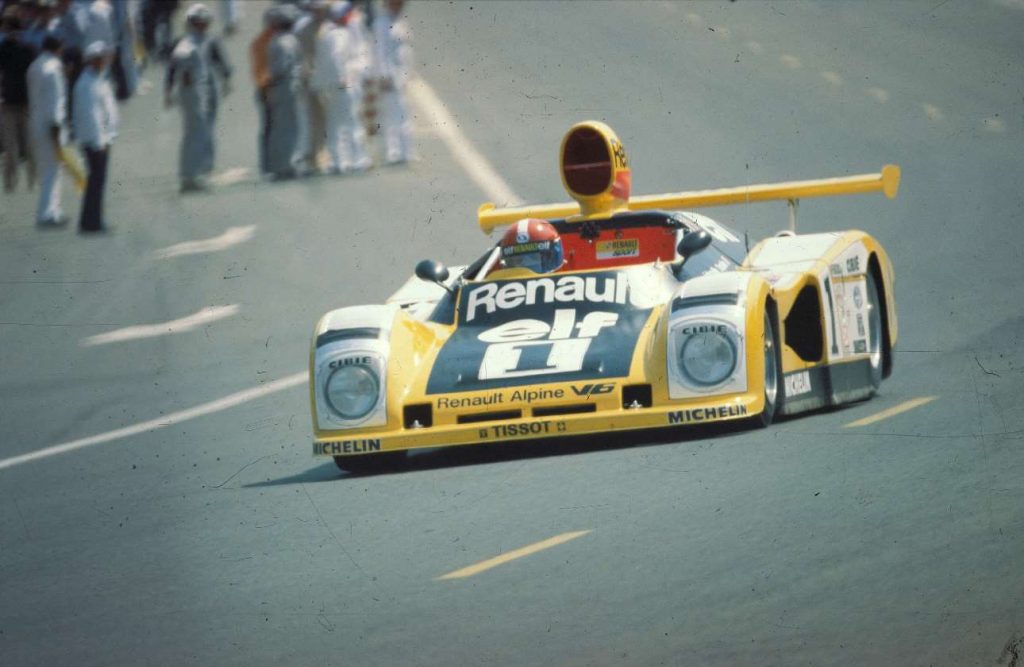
(99, 24)
(393, 52)
(335, 54)
(47, 92)
(94, 110)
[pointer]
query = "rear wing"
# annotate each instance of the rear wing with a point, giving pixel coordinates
(886, 181)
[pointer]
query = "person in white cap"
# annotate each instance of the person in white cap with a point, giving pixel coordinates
(393, 63)
(194, 61)
(94, 113)
(337, 77)
(283, 68)
(47, 111)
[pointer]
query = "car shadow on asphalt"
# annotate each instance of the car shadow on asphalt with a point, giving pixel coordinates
(502, 452)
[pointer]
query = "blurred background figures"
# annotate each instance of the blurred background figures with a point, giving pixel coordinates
(95, 120)
(47, 105)
(258, 62)
(393, 64)
(157, 20)
(337, 77)
(15, 58)
(308, 30)
(283, 67)
(230, 13)
(196, 62)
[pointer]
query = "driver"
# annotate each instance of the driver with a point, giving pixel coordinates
(532, 244)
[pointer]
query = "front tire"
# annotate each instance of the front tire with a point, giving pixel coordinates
(369, 463)
(773, 385)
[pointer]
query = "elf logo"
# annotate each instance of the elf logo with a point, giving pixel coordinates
(523, 348)
(588, 390)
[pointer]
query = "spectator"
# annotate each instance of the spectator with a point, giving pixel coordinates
(15, 58)
(393, 61)
(47, 109)
(283, 65)
(194, 61)
(258, 55)
(338, 80)
(230, 12)
(95, 123)
(157, 19)
(308, 30)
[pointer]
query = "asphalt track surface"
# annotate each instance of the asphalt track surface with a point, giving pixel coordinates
(209, 535)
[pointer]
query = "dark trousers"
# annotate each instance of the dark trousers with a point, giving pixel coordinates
(92, 205)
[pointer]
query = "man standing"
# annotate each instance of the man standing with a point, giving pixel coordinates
(258, 53)
(193, 63)
(15, 58)
(337, 76)
(394, 59)
(95, 123)
(47, 108)
(283, 66)
(308, 30)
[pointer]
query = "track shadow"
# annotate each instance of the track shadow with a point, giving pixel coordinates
(503, 452)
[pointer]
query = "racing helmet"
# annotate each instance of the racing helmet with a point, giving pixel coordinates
(532, 244)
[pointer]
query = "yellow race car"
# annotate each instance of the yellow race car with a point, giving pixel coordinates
(651, 316)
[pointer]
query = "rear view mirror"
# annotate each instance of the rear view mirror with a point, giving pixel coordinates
(433, 272)
(693, 243)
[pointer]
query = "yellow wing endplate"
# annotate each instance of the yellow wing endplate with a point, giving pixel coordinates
(605, 191)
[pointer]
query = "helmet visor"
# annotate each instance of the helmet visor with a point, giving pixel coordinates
(543, 257)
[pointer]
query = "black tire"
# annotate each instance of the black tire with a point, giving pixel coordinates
(367, 463)
(773, 384)
(876, 337)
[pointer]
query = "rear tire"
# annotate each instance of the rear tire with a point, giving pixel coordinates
(875, 334)
(366, 463)
(773, 385)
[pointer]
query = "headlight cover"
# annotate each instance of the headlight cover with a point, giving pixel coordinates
(707, 355)
(352, 391)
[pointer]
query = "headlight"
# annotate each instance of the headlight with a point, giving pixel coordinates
(351, 391)
(707, 357)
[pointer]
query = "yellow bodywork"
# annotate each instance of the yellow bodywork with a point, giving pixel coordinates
(415, 344)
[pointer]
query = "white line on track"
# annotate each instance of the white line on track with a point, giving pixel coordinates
(464, 152)
(790, 61)
(892, 412)
(933, 112)
(231, 237)
(163, 421)
(490, 563)
(833, 78)
(181, 325)
(878, 93)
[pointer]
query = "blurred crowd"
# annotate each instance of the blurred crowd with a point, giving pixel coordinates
(327, 74)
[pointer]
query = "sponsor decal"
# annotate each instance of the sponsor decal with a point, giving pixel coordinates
(524, 246)
(350, 361)
(535, 429)
(798, 383)
(853, 265)
(449, 403)
(706, 414)
(520, 332)
(860, 346)
(508, 295)
(346, 447)
(836, 270)
(860, 324)
(619, 153)
(858, 298)
(704, 328)
(589, 390)
(618, 248)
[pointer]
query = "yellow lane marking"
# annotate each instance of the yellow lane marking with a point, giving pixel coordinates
(508, 556)
(893, 411)
(879, 94)
(833, 78)
(790, 61)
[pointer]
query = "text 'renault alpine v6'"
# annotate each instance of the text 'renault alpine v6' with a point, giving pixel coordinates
(655, 317)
